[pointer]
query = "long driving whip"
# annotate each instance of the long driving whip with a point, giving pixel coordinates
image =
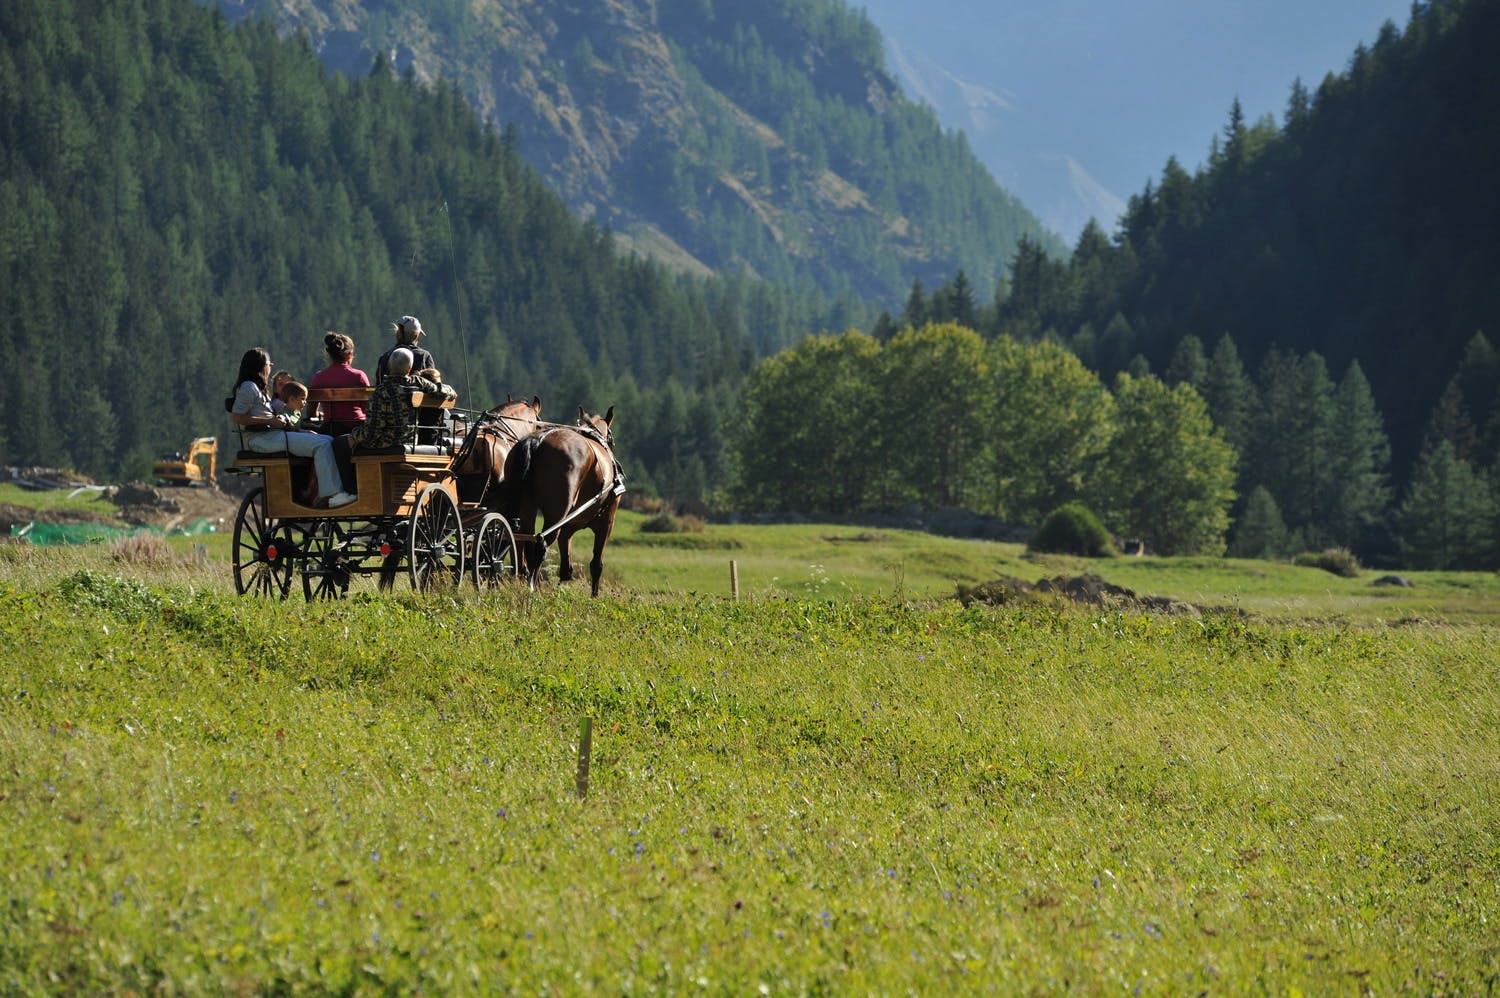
(458, 298)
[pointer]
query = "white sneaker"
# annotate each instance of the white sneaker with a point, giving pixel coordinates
(341, 499)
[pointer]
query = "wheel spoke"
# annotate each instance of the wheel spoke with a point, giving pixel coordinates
(436, 552)
(494, 553)
(323, 574)
(262, 550)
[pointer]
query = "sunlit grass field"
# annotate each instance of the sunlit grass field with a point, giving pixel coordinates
(840, 783)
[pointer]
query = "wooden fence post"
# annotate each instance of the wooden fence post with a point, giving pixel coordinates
(585, 750)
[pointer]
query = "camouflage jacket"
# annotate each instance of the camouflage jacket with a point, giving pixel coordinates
(391, 414)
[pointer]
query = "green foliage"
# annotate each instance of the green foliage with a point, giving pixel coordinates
(1260, 531)
(125, 598)
(1072, 528)
(929, 417)
(767, 138)
(1339, 561)
(936, 417)
(668, 523)
(802, 439)
(1168, 477)
(1447, 517)
(1052, 421)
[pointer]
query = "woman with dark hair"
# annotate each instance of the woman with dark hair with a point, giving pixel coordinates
(267, 431)
(340, 417)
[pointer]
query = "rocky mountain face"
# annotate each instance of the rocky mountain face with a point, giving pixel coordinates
(770, 141)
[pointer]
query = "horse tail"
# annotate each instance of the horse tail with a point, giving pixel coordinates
(517, 469)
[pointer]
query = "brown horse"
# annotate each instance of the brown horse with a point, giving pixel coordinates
(569, 475)
(481, 463)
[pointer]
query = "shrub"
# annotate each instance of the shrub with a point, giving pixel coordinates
(666, 523)
(126, 598)
(1339, 561)
(1073, 529)
(639, 502)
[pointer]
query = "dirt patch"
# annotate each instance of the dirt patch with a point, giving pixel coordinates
(167, 507)
(136, 504)
(12, 514)
(1089, 590)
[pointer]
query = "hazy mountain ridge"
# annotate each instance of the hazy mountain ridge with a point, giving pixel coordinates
(1062, 191)
(652, 118)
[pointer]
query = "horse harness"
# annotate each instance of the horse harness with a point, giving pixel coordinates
(614, 487)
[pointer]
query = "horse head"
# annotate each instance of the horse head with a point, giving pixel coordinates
(514, 408)
(498, 430)
(599, 424)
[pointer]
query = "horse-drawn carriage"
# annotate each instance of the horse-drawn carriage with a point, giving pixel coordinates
(428, 509)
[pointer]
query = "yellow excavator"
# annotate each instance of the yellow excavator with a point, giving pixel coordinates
(198, 466)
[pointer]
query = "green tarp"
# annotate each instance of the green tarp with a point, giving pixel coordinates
(98, 533)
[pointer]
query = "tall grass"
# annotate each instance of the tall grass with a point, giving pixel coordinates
(788, 795)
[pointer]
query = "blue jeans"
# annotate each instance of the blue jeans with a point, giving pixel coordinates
(313, 445)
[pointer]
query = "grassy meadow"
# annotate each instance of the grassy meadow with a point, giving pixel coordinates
(839, 783)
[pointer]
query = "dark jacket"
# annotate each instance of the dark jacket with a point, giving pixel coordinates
(391, 415)
(421, 360)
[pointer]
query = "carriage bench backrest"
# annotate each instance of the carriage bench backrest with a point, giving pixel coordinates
(419, 400)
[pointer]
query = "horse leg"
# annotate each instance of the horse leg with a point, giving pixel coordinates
(565, 556)
(532, 552)
(535, 554)
(603, 525)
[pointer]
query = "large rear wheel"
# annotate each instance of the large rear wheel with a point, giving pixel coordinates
(435, 547)
(494, 553)
(264, 554)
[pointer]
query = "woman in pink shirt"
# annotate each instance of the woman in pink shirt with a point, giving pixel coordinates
(340, 417)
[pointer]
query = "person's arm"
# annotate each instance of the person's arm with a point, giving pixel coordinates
(251, 399)
(429, 386)
(243, 419)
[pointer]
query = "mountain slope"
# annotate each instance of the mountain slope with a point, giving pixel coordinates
(1362, 227)
(713, 135)
(174, 191)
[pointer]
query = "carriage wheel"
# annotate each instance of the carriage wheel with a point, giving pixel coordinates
(263, 550)
(323, 573)
(435, 552)
(494, 553)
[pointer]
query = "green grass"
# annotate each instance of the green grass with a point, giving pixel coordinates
(822, 561)
(89, 501)
(791, 794)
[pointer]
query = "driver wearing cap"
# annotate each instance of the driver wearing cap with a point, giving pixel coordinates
(409, 331)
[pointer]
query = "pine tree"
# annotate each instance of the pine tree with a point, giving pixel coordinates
(1188, 365)
(1450, 423)
(885, 327)
(1446, 519)
(1260, 531)
(963, 310)
(915, 315)
(1231, 397)
(1361, 458)
(1294, 441)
